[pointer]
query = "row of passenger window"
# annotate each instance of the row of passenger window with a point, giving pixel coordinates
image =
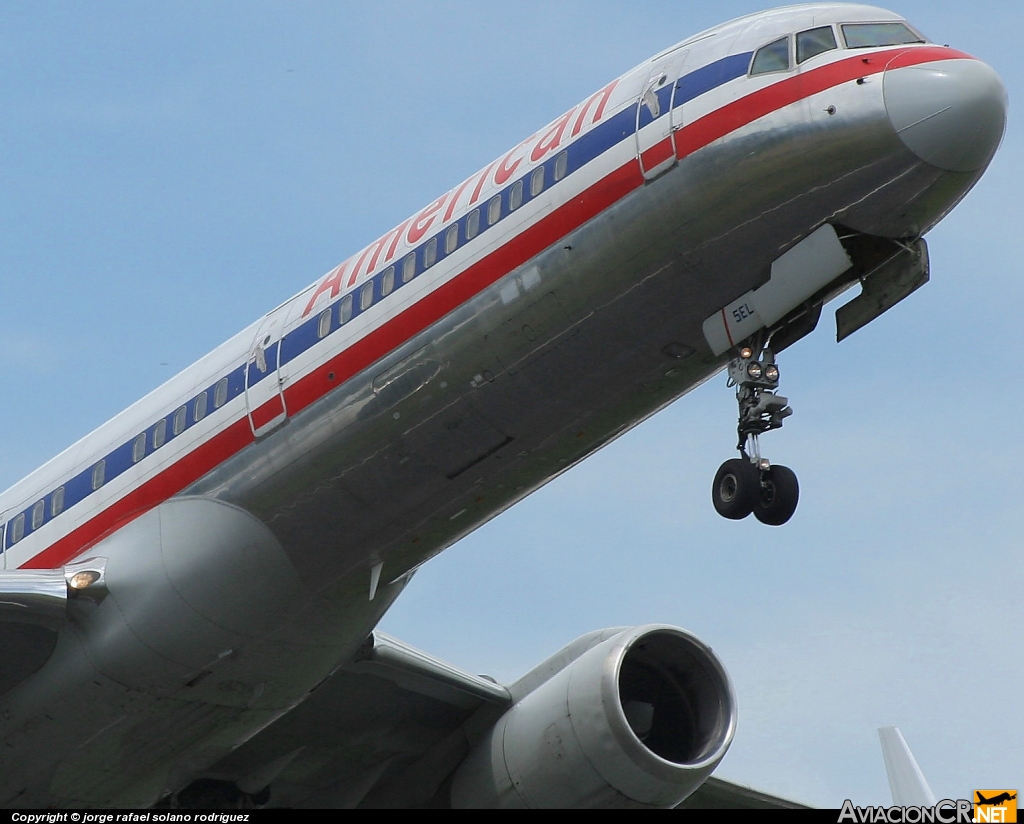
(382, 285)
(775, 56)
(157, 436)
(38, 514)
(461, 231)
(143, 444)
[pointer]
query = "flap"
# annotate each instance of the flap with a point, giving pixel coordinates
(716, 794)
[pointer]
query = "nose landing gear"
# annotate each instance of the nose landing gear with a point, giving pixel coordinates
(750, 484)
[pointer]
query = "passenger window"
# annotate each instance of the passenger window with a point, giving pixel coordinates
(366, 296)
(387, 283)
(865, 35)
(561, 165)
(345, 310)
(178, 424)
(473, 224)
(37, 514)
(99, 473)
(515, 196)
(494, 210)
(220, 391)
(537, 181)
(813, 42)
(323, 326)
(408, 267)
(430, 253)
(451, 239)
(139, 448)
(160, 433)
(771, 58)
(18, 528)
(57, 502)
(199, 410)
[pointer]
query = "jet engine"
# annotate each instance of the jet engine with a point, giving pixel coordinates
(640, 719)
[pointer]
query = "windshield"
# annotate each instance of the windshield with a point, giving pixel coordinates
(863, 35)
(813, 42)
(771, 58)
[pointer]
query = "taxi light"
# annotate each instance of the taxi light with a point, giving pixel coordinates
(746, 353)
(755, 371)
(764, 464)
(83, 580)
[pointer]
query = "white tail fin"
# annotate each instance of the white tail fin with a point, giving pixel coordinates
(906, 781)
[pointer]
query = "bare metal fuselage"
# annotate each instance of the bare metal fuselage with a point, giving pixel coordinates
(556, 358)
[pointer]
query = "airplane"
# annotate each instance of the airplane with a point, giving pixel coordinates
(995, 800)
(247, 524)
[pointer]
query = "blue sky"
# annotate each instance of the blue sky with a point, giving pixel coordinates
(170, 172)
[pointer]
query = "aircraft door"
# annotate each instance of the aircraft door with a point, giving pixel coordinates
(657, 119)
(264, 386)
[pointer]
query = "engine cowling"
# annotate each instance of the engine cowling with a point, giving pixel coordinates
(640, 719)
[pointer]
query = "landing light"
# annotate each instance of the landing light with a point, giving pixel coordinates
(755, 371)
(82, 580)
(771, 372)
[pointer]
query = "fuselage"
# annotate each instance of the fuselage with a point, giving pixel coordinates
(510, 328)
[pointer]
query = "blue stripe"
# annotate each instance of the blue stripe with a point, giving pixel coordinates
(711, 76)
(580, 152)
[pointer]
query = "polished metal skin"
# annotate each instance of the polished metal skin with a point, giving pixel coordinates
(38, 597)
(228, 604)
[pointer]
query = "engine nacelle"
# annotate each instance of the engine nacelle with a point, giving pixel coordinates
(638, 720)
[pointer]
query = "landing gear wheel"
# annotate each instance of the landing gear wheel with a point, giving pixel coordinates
(779, 494)
(735, 490)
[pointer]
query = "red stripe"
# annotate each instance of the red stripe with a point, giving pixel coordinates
(166, 484)
(657, 154)
(432, 307)
(358, 356)
(264, 414)
(745, 110)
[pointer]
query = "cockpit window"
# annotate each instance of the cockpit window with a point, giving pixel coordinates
(813, 42)
(771, 58)
(863, 35)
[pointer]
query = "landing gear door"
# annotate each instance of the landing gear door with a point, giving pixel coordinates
(264, 387)
(656, 119)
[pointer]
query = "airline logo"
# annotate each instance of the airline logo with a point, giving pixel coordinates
(947, 811)
(998, 806)
(995, 805)
(471, 191)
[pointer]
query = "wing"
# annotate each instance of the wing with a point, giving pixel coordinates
(716, 794)
(386, 729)
(391, 728)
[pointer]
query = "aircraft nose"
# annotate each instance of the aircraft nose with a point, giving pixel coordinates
(950, 113)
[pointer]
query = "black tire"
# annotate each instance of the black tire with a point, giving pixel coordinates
(779, 495)
(735, 490)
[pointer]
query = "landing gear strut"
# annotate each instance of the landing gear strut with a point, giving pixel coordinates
(750, 483)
